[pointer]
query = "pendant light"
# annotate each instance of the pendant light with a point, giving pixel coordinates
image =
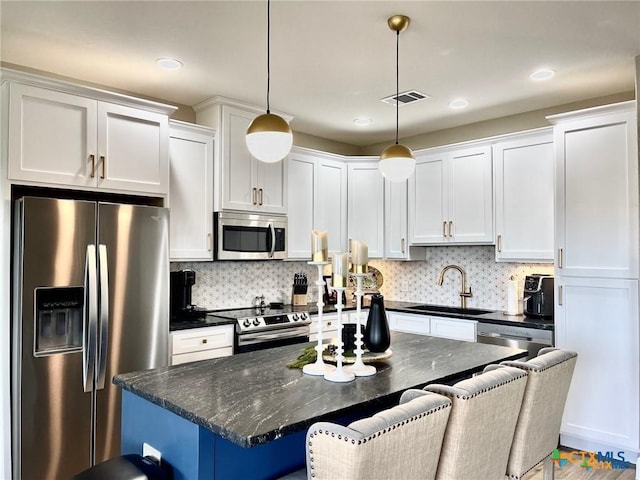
(396, 161)
(269, 137)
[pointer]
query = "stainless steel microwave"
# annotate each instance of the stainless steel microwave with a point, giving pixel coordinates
(248, 236)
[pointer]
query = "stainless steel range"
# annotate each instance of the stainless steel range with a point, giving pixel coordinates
(268, 328)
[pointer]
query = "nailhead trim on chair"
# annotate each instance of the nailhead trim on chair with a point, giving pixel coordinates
(484, 390)
(372, 436)
(537, 369)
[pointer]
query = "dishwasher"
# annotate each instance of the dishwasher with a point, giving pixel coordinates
(525, 338)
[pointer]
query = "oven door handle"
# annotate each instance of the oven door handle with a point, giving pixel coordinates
(273, 239)
(298, 332)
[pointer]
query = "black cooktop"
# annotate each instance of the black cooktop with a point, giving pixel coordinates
(254, 312)
(204, 318)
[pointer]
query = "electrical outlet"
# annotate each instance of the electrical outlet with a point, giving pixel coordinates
(149, 451)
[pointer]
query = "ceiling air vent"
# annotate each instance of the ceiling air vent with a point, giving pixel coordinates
(405, 98)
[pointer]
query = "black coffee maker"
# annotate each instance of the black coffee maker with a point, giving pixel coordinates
(538, 296)
(181, 283)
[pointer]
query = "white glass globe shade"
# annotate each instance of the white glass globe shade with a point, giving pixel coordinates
(397, 163)
(269, 138)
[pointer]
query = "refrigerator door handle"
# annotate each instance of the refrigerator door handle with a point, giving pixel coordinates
(90, 318)
(103, 344)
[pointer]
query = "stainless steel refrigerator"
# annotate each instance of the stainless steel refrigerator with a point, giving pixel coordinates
(90, 300)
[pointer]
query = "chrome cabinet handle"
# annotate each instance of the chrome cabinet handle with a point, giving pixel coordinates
(560, 295)
(444, 229)
(260, 196)
(93, 165)
(402, 245)
(450, 228)
(499, 242)
(104, 161)
(560, 259)
(253, 196)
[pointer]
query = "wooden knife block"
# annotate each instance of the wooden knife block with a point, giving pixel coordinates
(298, 299)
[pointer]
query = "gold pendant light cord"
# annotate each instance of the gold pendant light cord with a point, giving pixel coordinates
(268, 50)
(397, 82)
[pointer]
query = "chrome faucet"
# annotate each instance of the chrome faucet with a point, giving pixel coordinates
(464, 294)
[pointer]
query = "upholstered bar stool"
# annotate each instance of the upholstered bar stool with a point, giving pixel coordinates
(402, 442)
(538, 428)
(481, 425)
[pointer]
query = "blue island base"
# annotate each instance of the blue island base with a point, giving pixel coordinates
(195, 453)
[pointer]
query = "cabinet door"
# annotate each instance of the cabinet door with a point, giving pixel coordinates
(455, 328)
(191, 194)
(271, 182)
(427, 205)
(366, 206)
(524, 190)
(597, 196)
(395, 219)
(300, 215)
(598, 318)
(132, 149)
(405, 322)
(331, 203)
(238, 175)
(470, 218)
(52, 137)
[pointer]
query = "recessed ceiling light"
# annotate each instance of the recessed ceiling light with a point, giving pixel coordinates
(362, 121)
(169, 63)
(458, 103)
(542, 74)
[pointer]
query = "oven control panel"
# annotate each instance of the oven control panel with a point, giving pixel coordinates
(267, 322)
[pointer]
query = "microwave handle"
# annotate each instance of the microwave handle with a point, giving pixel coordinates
(273, 240)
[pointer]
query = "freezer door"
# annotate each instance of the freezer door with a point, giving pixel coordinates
(51, 413)
(134, 240)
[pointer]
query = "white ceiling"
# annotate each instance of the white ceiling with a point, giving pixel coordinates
(332, 61)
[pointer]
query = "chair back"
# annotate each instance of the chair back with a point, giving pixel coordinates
(481, 425)
(538, 428)
(401, 442)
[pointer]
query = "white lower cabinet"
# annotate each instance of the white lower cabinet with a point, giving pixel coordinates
(598, 318)
(408, 323)
(454, 328)
(201, 344)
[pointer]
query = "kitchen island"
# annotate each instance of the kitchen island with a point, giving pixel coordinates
(246, 416)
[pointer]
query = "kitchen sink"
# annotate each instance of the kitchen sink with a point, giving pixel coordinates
(444, 309)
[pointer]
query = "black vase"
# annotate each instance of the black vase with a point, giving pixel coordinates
(377, 337)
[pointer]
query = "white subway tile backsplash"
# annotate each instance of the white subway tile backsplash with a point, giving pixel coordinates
(225, 284)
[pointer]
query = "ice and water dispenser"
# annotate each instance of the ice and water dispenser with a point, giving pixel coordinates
(58, 317)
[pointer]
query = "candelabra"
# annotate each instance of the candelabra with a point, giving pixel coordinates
(359, 369)
(319, 367)
(339, 374)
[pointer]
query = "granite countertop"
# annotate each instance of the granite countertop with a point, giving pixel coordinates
(495, 316)
(253, 398)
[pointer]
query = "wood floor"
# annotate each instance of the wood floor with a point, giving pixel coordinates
(576, 472)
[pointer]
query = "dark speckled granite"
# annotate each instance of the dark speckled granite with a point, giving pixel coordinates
(253, 398)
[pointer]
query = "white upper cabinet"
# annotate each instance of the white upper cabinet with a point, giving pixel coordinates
(69, 139)
(596, 153)
(191, 192)
(242, 182)
(318, 201)
(365, 206)
(451, 197)
(396, 235)
(524, 189)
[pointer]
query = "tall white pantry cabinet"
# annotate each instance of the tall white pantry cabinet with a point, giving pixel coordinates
(596, 270)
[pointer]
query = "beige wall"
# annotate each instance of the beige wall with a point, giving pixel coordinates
(311, 141)
(498, 126)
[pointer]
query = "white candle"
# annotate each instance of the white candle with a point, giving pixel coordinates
(359, 256)
(319, 249)
(340, 269)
